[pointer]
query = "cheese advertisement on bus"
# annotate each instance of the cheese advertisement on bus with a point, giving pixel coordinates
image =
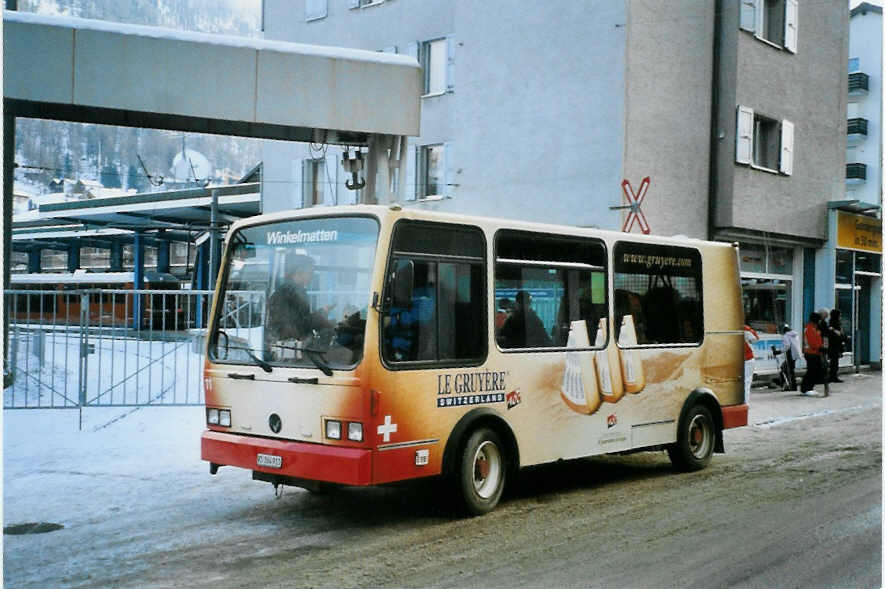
(368, 345)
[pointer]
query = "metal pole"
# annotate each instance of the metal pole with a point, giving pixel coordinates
(8, 179)
(213, 240)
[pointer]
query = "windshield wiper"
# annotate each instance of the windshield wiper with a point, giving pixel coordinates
(258, 361)
(316, 356)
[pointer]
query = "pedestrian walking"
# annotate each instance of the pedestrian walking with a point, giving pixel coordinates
(836, 337)
(750, 337)
(792, 352)
(812, 352)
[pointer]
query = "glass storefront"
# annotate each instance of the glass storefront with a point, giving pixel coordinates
(766, 279)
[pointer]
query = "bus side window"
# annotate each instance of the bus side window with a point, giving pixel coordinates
(659, 286)
(544, 284)
(443, 322)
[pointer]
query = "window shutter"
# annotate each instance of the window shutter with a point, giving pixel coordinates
(412, 49)
(450, 63)
(410, 190)
(353, 4)
(748, 15)
(448, 169)
(298, 195)
(786, 147)
(791, 26)
(744, 136)
(315, 9)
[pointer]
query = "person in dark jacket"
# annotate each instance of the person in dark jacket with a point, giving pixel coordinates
(836, 337)
(289, 315)
(523, 328)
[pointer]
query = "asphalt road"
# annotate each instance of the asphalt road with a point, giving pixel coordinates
(796, 501)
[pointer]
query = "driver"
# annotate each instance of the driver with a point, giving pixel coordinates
(289, 314)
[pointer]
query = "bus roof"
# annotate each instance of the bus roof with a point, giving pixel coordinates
(397, 212)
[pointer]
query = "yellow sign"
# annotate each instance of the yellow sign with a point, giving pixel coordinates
(858, 232)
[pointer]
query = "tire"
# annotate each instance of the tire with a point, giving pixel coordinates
(695, 440)
(482, 471)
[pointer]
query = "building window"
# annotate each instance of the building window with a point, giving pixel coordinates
(766, 142)
(431, 160)
(658, 293)
(315, 9)
(314, 179)
(854, 64)
(772, 21)
(362, 3)
(763, 142)
(432, 57)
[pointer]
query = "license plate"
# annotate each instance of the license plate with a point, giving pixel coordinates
(270, 460)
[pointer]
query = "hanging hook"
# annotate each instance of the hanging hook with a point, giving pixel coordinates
(353, 166)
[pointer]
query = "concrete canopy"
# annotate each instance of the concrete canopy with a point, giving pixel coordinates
(98, 72)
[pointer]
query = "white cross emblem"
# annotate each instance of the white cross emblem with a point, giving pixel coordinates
(387, 428)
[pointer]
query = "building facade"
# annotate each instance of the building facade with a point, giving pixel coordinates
(734, 110)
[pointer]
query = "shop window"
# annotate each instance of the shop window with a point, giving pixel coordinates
(550, 292)
(443, 322)
(867, 262)
(767, 303)
(659, 287)
(844, 269)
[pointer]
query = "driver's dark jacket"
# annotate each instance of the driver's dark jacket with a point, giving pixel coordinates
(289, 315)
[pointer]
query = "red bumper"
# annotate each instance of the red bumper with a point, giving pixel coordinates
(347, 466)
(734, 416)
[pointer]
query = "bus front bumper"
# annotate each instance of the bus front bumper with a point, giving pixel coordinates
(315, 462)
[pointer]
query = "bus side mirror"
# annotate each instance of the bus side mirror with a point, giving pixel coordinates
(402, 283)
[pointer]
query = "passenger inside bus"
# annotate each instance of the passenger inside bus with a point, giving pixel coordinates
(523, 328)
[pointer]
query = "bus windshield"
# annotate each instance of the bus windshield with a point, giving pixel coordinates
(296, 293)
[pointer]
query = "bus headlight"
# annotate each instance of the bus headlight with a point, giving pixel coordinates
(333, 429)
(224, 417)
(212, 416)
(355, 431)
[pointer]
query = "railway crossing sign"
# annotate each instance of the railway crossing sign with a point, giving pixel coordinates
(634, 201)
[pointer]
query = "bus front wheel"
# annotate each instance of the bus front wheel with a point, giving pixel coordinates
(482, 471)
(695, 441)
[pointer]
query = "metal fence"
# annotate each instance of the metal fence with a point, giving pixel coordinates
(105, 347)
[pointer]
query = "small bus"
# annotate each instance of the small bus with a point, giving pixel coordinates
(369, 344)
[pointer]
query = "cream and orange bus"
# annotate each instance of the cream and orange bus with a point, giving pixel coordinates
(366, 345)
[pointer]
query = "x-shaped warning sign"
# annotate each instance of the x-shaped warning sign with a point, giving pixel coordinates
(634, 200)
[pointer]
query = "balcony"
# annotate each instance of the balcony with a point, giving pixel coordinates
(855, 173)
(858, 84)
(857, 130)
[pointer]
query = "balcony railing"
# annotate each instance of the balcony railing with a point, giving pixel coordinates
(858, 83)
(855, 172)
(857, 126)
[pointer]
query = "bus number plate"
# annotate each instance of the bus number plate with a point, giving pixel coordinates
(270, 461)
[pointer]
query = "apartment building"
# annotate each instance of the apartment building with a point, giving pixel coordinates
(734, 110)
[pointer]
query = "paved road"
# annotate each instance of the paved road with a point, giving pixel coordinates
(795, 502)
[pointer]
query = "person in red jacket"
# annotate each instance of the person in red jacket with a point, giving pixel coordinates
(813, 342)
(750, 337)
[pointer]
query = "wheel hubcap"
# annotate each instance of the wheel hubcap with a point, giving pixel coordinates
(487, 469)
(700, 436)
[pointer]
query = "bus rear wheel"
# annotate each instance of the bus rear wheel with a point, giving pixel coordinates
(481, 471)
(695, 440)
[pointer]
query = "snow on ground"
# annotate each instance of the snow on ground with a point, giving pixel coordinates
(121, 476)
